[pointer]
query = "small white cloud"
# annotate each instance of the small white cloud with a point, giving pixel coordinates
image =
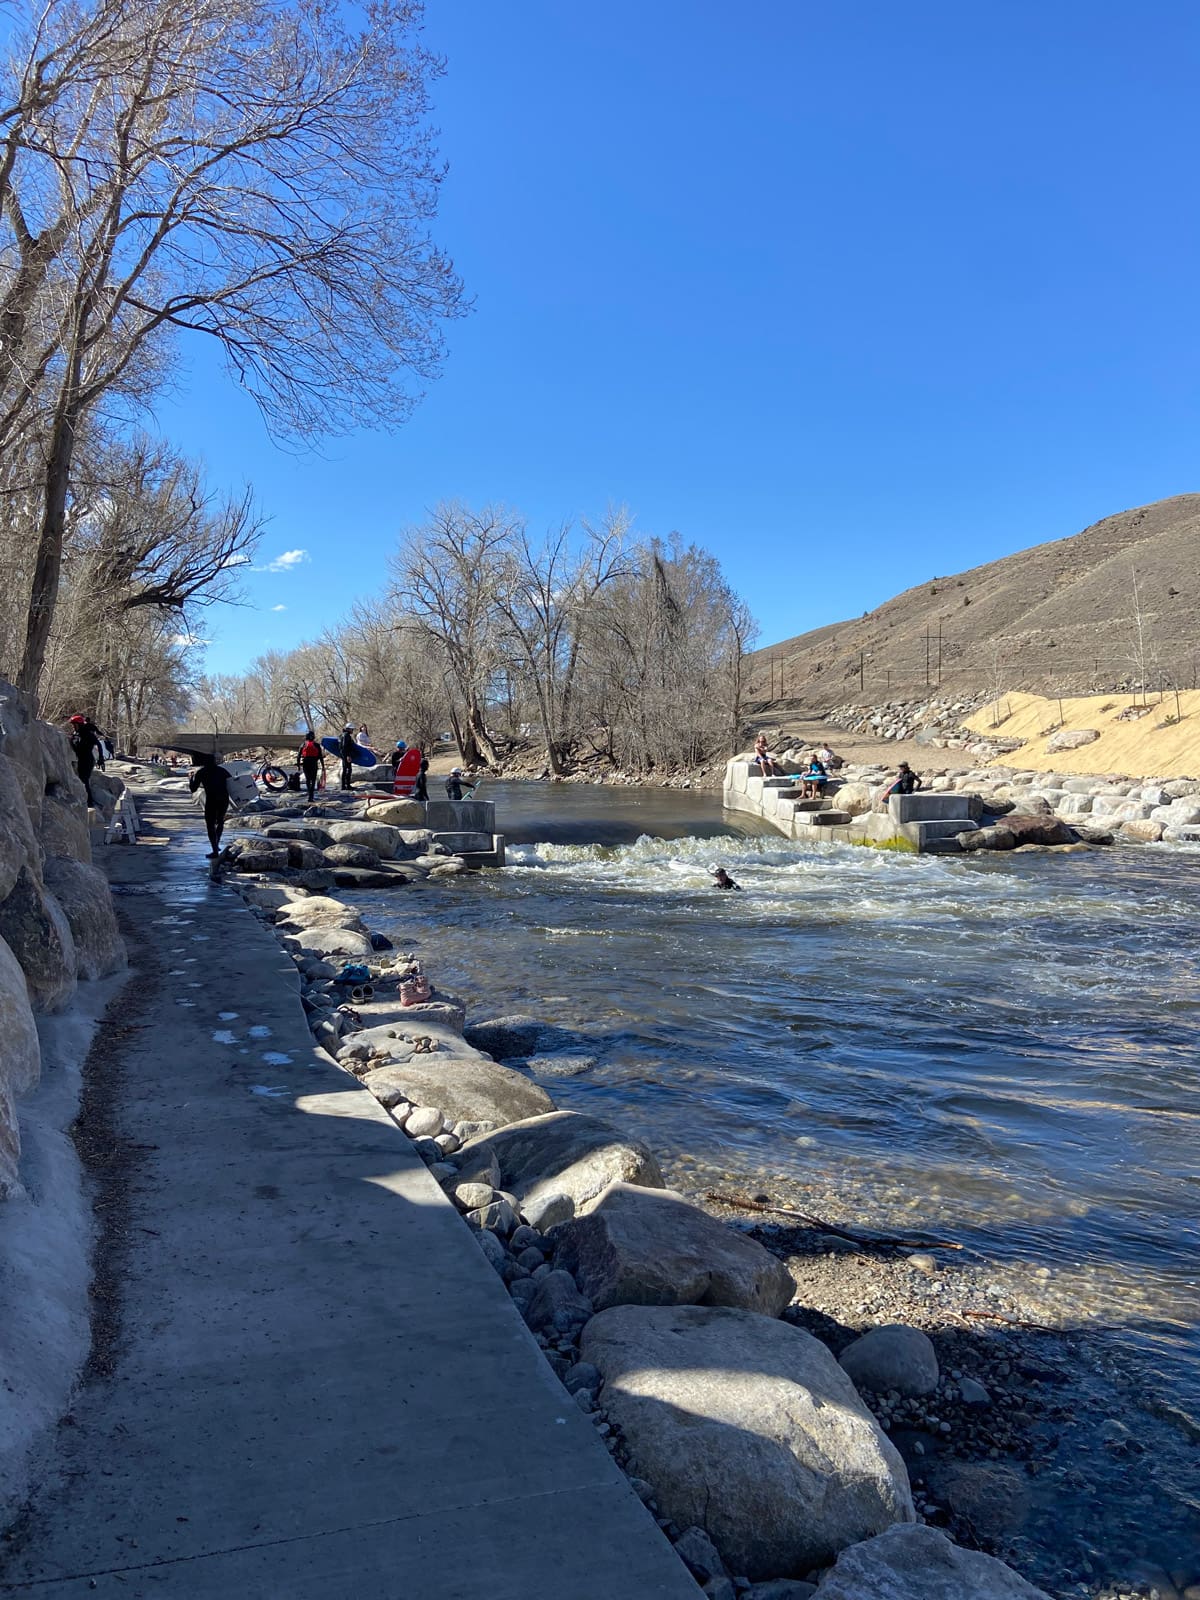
(285, 562)
(188, 641)
(278, 608)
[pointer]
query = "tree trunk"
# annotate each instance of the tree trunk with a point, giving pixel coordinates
(47, 569)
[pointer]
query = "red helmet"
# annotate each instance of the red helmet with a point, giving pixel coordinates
(78, 718)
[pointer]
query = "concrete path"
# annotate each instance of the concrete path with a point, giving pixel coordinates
(307, 1382)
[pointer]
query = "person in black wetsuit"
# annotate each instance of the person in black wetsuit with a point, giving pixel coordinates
(347, 745)
(421, 786)
(907, 782)
(312, 760)
(722, 880)
(214, 780)
(85, 746)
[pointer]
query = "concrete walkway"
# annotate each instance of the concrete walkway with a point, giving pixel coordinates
(307, 1382)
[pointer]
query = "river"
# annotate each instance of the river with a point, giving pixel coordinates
(1003, 1048)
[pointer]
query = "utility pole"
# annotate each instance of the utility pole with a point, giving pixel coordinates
(862, 658)
(927, 657)
(939, 660)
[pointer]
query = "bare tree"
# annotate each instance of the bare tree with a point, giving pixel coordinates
(258, 175)
(446, 579)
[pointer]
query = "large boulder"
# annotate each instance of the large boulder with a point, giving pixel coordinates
(1071, 739)
(855, 798)
(321, 911)
(505, 1037)
(749, 1429)
(376, 836)
(465, 1090)
(58, 763)
(306, 832)
(350, 855)
(1048, 829)
(325, 940)
(651, 1247)
(569, 1153)
(20, 1052)
(919, 1563)
(63, 829)
(304, 857)
(21, 743)
(37, 932)
(397, 813)
(1143, 829)
(18, 842)
(892, 1357)
(82, 892)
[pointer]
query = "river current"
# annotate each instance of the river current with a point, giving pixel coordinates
(1001, 1048)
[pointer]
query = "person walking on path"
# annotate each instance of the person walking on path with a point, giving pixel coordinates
(86, 747)
(214, 780)
(312, 761)
(347, 745)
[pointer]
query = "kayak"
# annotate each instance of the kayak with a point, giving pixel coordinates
(362, 756)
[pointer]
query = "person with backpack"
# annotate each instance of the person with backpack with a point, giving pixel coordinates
(347, 749)
(214, 780)
(86, 747)
(312, 761)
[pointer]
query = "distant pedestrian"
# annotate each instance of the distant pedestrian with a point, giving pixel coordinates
(347, 748)
(85, 746)
(421, 786)
(214, 780)
(312, 762)
(722, 880)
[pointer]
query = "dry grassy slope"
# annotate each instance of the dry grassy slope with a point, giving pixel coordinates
(1059, 615)
(1151, 746)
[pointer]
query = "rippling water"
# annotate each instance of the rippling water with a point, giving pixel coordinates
(1004, 1047)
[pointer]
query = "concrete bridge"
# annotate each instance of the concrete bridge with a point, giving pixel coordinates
(194, 741)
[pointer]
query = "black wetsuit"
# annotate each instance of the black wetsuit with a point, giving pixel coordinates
(346, 748)
(421, 786)
(453, 787)
(215, 782)
(85, 742)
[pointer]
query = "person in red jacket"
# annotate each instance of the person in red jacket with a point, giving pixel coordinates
(312, 761)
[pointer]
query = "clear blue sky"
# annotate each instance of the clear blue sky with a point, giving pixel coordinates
(851, 294)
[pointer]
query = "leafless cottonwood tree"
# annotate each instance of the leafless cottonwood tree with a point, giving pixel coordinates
(258, 173)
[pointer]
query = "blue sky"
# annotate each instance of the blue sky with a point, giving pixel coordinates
(851, 294)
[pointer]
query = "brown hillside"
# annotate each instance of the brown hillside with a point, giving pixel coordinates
(1058, 617)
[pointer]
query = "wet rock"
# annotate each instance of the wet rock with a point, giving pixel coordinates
(639, 1246)
(465, 1088)
(36, 929)
(505, 1037)
(250, 856)
(749, 1429)
(1143, 829)
(306, 857)
(304, 832)
(919, 1563)
(82, 892)
(568, 1153)
(993, 1497)
(380, 941)
(973, 1393)
(326, 939)
(892, 1357)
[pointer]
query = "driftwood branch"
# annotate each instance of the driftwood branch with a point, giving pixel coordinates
(743, 1203)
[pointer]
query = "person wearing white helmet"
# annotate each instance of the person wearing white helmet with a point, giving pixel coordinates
(454, 784)
(347, 749)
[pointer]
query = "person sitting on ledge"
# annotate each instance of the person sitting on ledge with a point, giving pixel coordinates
(722, 880)
(907, 782)
(763, 759)
(814, 778)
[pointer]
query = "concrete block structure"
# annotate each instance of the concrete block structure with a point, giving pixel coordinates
(916, 823)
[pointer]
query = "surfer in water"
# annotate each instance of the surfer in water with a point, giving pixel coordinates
(722, 880)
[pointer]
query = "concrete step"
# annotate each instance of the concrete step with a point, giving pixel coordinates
(945, 828)
(820, 817)
(457, 843)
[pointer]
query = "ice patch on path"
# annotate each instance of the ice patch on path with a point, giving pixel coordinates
(227, 1016)
(223, 1036)
(185, 1002)
(276, 1058)
(259, 1031)
(272, 1094)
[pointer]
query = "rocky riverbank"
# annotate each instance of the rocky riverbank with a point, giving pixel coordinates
(638, 1293)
